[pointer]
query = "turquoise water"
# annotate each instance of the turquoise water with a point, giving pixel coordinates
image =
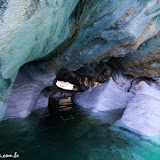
(75, 134)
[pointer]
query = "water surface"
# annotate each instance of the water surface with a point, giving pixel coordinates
(72, 134)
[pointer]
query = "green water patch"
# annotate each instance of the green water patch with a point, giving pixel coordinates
(76, 135)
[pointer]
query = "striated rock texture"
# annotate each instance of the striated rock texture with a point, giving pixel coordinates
(145, 61)
(69, 34)
(108, 96)
(142, 114)
(29, 29)
(106, 29)
(30, 81)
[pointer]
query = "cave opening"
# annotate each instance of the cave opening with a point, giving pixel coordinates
(68, 83)
(41, 88)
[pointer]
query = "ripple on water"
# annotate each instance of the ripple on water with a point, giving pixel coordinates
(72, 133)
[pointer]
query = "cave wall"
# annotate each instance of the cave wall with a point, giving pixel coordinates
(105, 29)
(31, 80)
(69, 34)
(29, 29)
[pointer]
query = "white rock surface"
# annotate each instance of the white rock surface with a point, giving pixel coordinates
(108, 96)
(143, 111)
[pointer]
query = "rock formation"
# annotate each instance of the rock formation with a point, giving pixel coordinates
(141, 103)
(29, 30)
(41, 38)
(27, 89)
(108, 96)
(142, 113)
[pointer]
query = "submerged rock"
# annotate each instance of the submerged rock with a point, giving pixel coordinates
(142, 114)
(108, 96)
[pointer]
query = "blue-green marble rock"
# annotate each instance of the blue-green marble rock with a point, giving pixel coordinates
(69, 34)
(30, 30)
(106, 29)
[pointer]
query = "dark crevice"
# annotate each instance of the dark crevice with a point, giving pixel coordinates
(3, 6)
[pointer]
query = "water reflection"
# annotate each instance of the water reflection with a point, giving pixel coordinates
(74, 134)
